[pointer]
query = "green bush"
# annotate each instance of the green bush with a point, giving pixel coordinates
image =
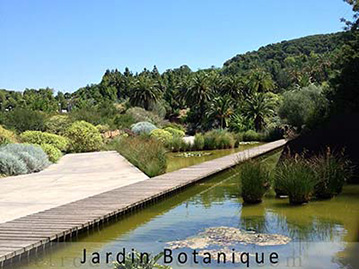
(11, 165)
(37, 137)
(23, 120)
(218, 139)
(251, 135)
(123, 121)
(57, 124)
(176, 126)
(83, 137)
(175, 132)
(53, 153)
(161, 135)
(198, 143)
(103, 128)
(238, 138)
(178, 144)
(148, 154)
(141, 115)
(331, 171)
(6, 136)
(296, 178)
(32, 156)
(255, 181)
(143, 127)
(273, 134)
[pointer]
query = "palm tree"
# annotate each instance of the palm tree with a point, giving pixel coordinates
(145, 92)
(260, 81)
(234, 86)
(221, 108)
(258, 107)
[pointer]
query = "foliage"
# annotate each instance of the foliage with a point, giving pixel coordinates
(139, 114)
(123, 121)
(57, 124)
(39, 138)
(296, 177)
(177, 143)
(143, 127)
(251, 135)
(32, 156)
(83, 137)
(53, 153)
(272, 134)
(198, 143)
(175, 126)
(141, 262)
(218, 139)
(148, 154)
(145, 92)
(23, 119)
(161, 135)
(6, 136)
(103, 128)
(331, 171)
(175, 132)
(255, 181)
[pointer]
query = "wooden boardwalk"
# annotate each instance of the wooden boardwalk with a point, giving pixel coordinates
(23, 235)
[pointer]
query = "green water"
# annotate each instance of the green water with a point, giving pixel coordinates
(175, 162)
(323, 233)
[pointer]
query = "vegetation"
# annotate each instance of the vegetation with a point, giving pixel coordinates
(255, 181)
(143, 127)
(218, 139)
(39, 138)
(148, 154)
(161, 135)
(53, 153)
(83, 137)
(6, 136)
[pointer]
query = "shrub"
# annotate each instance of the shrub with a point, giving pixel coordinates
(103, 128)
(141, 115)
(34, 158)
(37, 137)
(273, 134)
(198, 143)
(218, 139)
(57, 124)
(331, 171)
(143, 127)
(123, 121)
(23, 119)
(83, 137)
(251, 135)
(148, 154)
(161, 135)
(176, 126)
(53, 153)
(178, 144)
(6, 136)
(11, 165)
(238, 137)
(255, 181)
(296, 178)
(175, 132)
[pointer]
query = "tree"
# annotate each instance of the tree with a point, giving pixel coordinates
(145, 92)
(258, 107)
(221, 108)
(260, 81)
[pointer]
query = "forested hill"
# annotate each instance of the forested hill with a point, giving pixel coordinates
(275, 55)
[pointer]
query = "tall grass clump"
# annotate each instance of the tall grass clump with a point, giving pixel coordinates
(251, 135)
(255, 181)
(198, 143)
(218, 139)
(177, 144)
(296, 178)
(331, 172)
(146, 153)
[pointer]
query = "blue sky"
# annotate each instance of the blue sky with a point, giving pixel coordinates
(66, 44)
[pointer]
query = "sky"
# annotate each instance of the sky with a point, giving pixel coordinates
(67, 44)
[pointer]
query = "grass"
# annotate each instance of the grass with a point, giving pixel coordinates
(148, 154)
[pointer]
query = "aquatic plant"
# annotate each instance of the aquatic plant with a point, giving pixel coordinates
(255, 181)
(296, 178)
(331, 172)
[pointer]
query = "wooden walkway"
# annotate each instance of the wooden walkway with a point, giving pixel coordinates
(23, 235)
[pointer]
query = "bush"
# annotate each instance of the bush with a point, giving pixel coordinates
(123, 121)
(251, 135)
(6, 136)
(11, 165)
(218, 139)
(83, 137)
(296, 178)
(238, 137)
(198, 143)
(178, 144)
(57, 124)
(143, 127)
(148, 154)
(331, 171)
(32, 156)
(161, 135)
(103, 128)
(175, 132)
(23, 120)
(141, 115)
(53, 153)
(273, 134)
(176, 126)
(37, 137)
(255, 181)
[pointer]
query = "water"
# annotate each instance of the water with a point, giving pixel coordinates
(323, 233)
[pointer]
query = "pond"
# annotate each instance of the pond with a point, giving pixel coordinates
(322, 233)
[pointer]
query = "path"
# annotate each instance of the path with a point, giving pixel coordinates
(75, 177)
(37, 230)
